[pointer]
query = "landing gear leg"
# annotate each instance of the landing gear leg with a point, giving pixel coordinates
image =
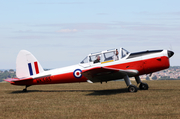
(131, 88)
(25, 90)
(138, 80)
(142, 86)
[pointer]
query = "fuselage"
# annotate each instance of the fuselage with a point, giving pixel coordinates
(144, 62)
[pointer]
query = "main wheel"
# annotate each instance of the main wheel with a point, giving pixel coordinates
(143, 86)
(132, 88)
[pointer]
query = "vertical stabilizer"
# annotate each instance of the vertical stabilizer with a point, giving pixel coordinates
(27, 65)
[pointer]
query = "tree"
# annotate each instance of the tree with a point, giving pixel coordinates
(6, 74)
(147, 78)
(11, 70)
(154, 77)
(165, 78)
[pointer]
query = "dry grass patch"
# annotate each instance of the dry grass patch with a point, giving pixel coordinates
(86, 100)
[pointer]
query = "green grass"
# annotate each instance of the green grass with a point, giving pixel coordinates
(84, 100)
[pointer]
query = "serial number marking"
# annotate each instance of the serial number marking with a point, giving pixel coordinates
(43, 80)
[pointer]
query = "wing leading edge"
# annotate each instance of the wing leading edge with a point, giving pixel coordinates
(100, 74)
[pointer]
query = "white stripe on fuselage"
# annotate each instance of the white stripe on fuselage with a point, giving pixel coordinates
(70, 69)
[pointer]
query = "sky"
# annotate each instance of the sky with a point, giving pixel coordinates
(63, 32)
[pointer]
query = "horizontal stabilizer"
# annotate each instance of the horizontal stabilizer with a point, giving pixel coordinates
(16, 79)
(11, 80)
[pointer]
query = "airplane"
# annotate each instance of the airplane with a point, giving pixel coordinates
(103, 66)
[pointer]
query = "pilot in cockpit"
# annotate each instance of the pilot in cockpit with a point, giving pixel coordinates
(97, 60)
(116, 55)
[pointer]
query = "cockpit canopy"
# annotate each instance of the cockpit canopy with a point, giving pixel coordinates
(106, 56)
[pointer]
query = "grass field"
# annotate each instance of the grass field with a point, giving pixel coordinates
(83, 100)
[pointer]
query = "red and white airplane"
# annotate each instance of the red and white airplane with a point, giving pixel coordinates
(101, 67)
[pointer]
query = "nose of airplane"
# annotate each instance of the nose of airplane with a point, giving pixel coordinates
(170, 53)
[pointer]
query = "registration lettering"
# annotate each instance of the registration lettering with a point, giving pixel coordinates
(43, 80)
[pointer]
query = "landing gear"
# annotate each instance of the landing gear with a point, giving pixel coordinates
(143, 86)
(25, 90)
(131, 88)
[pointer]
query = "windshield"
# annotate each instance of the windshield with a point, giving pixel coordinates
(85, 60)
(124, 53)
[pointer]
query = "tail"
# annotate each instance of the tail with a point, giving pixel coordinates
(27, 65)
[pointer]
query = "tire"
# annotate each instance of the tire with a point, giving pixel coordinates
(132, 88)
(24, 90)
(143, 86)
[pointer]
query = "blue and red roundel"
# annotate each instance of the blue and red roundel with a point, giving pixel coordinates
(77, 73)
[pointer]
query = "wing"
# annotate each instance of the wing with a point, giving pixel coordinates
(100, 74)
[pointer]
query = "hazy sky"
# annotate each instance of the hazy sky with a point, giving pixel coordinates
(62, 32)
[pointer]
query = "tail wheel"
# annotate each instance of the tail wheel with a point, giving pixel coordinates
(24, 90)
(143, 86)
(132, 88)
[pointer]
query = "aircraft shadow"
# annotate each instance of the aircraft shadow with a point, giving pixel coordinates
(92, 92)
(108, 92)
(30, 91)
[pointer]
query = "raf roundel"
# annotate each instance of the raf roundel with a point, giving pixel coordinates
(77, 73)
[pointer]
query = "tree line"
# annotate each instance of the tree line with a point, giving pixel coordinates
(7, 74)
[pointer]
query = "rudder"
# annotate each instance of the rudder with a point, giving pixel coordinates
(27, 65)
